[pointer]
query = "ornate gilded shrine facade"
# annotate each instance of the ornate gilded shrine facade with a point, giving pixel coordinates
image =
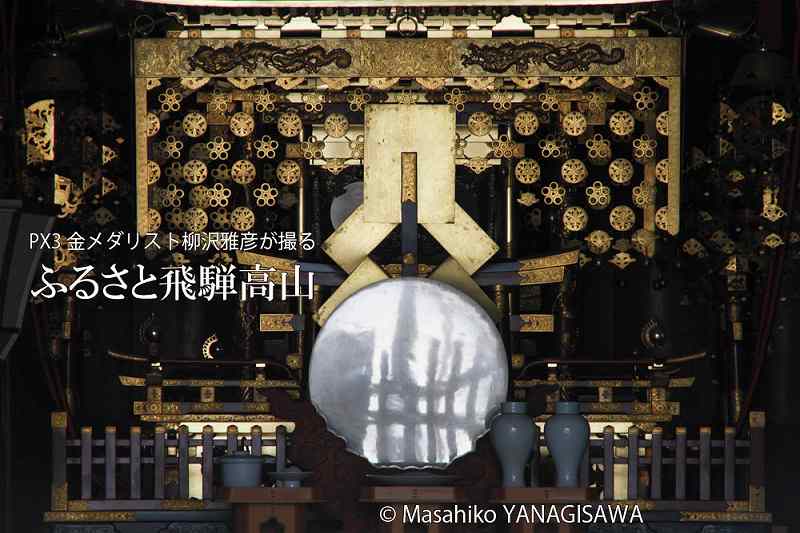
(497, 150)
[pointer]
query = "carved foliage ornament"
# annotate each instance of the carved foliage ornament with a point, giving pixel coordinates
(248, 55)
(569, 57)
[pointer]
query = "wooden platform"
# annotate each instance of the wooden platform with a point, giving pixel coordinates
(255, 506)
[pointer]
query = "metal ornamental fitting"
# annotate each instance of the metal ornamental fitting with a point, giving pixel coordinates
(662, 123)
(575, 218)
(644, 148)
(622, 218)
(220, 219)
(527, 171)
(598, 195)
(242, 219)
(574, 123)
(621, 123)
(265, 195)
(195, 219)
(289, 172)
(599, 149)
(553, 146)
(194, 172)
(599, 242)
(218, 148)
(198, 197)
(152, 124)
(172, 147)
(553, 193)
(645, 99)
(170, 100)
(289, 124)
(336, 125)
(194, 124)
(479, 124)
(218, 195)
(242, 124)
(153, 172)
(620, 171)
(525, 123)
(243, 172)
(573, 171)
(266, 147)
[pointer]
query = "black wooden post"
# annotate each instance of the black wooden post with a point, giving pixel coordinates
(729, 445)
(757, 494)
(680, 463)
(136, 463)
(608, 463)
(233, 435)
(255, 441)
(280, 448)
(208, 463)
(655, 463)
(159, 456)
(705, 463)
(633, 463)
(59, 488)
(86, 463)
(183, 462)
(111, 463)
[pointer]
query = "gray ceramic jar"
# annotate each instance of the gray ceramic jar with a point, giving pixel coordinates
(567, 435)
(513, 436)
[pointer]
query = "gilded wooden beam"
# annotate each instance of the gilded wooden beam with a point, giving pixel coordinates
(375, 58)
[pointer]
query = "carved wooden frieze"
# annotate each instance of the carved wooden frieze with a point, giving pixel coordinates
(423, 58)
(284, 59)
(576, 56)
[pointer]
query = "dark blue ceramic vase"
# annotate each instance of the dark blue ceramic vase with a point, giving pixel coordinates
(513, 436)
(567, 435)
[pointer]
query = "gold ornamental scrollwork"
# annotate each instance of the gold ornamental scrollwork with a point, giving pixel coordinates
(722, 516)
(89, 516)
(40, 131)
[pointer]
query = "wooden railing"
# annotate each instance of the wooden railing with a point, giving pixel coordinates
(128, 461)
(701, 472)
